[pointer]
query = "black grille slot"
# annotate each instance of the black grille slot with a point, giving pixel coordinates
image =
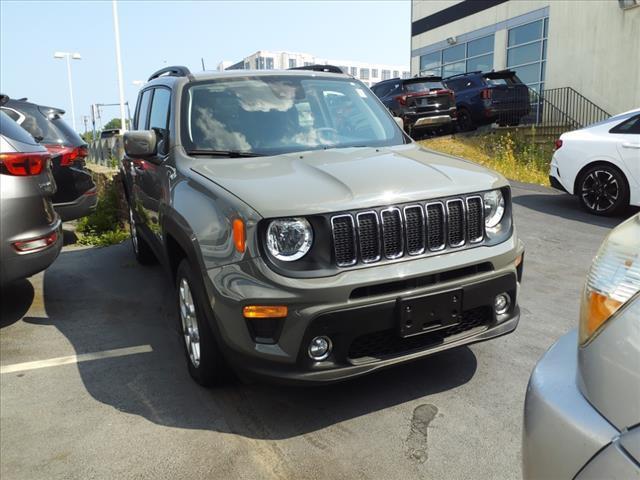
(475, 219)
(344, 240)
(435, 223)
(368, 237)
(414, 225)
(455, 222)
(392, 233)
(386, 343)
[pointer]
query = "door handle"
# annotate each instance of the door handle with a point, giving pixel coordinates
(631, 145)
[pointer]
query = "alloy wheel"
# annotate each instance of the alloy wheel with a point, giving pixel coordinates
(600, 190)
(189, 321)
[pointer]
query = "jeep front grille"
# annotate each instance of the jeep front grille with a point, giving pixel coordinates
(393, 232)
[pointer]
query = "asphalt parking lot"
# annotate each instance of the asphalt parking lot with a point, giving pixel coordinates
(137, 413)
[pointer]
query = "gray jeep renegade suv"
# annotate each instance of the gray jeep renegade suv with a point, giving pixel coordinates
(309, 239)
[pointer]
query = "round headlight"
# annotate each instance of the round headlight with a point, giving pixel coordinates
(493, 208)
(289, 239)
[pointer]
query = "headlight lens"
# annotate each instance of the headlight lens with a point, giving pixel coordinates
(289, 239)
(493, 208)
(613, 279)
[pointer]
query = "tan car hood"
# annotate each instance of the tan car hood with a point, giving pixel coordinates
(336, 180)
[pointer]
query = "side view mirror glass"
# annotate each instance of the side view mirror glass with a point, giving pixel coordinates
(140, 143)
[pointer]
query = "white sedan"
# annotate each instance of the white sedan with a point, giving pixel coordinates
(600, 164)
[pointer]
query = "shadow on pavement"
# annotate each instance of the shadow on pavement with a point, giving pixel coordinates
(568, 207)
(117, 303)
(15, 300)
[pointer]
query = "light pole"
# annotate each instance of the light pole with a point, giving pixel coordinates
(116, 32)
(69, 56)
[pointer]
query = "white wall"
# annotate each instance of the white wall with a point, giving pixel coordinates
(593, 45)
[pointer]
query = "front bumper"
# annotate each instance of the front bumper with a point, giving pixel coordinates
(362, 327)
(562, 431)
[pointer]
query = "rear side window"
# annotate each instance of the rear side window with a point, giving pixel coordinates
(458, 84)
(631, 126)
(39, 126)
(160, 109)
(10, 129)
(143, 110)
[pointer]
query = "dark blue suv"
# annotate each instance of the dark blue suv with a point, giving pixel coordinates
(485, 98)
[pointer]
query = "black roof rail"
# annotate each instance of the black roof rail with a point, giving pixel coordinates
(319, 68)
(462, 74)
(174, 71)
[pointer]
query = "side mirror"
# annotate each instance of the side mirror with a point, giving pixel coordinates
(140, 143)
(400, 122)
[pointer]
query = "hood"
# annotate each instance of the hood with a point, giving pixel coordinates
(323, 181)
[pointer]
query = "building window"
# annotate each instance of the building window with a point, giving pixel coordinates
(354, 71)
(292, 63)
(527, 52)
(260, 63)
(406, 74)
(247, 65)
(386, 74)
(269, 63)
(307, 64)
(471, 56)
(344, 69)
(396, 74)
(364, 74)
(374, 73)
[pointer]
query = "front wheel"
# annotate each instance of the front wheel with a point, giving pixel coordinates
(465, 122)
(204, 359)
(603, 190)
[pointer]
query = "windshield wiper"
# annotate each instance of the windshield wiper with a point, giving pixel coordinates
(223, 153)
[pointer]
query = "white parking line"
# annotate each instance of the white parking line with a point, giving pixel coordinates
(83, 357)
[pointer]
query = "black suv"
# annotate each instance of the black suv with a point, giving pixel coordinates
(485, 98)
(421, 102)
(76, 194)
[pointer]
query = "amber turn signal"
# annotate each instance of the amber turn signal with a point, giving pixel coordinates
(239, 235)
(518, 260)
(265, 311)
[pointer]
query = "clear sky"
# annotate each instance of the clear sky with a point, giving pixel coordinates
(155, 33)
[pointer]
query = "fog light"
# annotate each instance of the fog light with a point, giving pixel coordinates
(502, 303)
(320, 348)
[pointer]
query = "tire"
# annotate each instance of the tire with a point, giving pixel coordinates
(204, 359)
(465, 122)
(141, 249)
(603, 190)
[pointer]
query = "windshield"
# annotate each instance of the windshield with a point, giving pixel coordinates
(269, 115)
(415, 87)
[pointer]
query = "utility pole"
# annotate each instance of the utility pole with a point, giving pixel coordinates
(116, 29)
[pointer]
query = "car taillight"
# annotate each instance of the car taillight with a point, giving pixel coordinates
(402, 99)
(23, 164)
(69, 154)
(486, 94)
(39, 243)
(558, 144)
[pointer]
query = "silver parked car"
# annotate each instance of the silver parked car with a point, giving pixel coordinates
(30, 230)
(582, 409)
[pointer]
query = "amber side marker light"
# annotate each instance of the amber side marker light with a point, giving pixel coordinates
(239, 235)
(518, 260)
(265, 311)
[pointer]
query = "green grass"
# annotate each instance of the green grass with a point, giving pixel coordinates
(104, 226)
(515, 156)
